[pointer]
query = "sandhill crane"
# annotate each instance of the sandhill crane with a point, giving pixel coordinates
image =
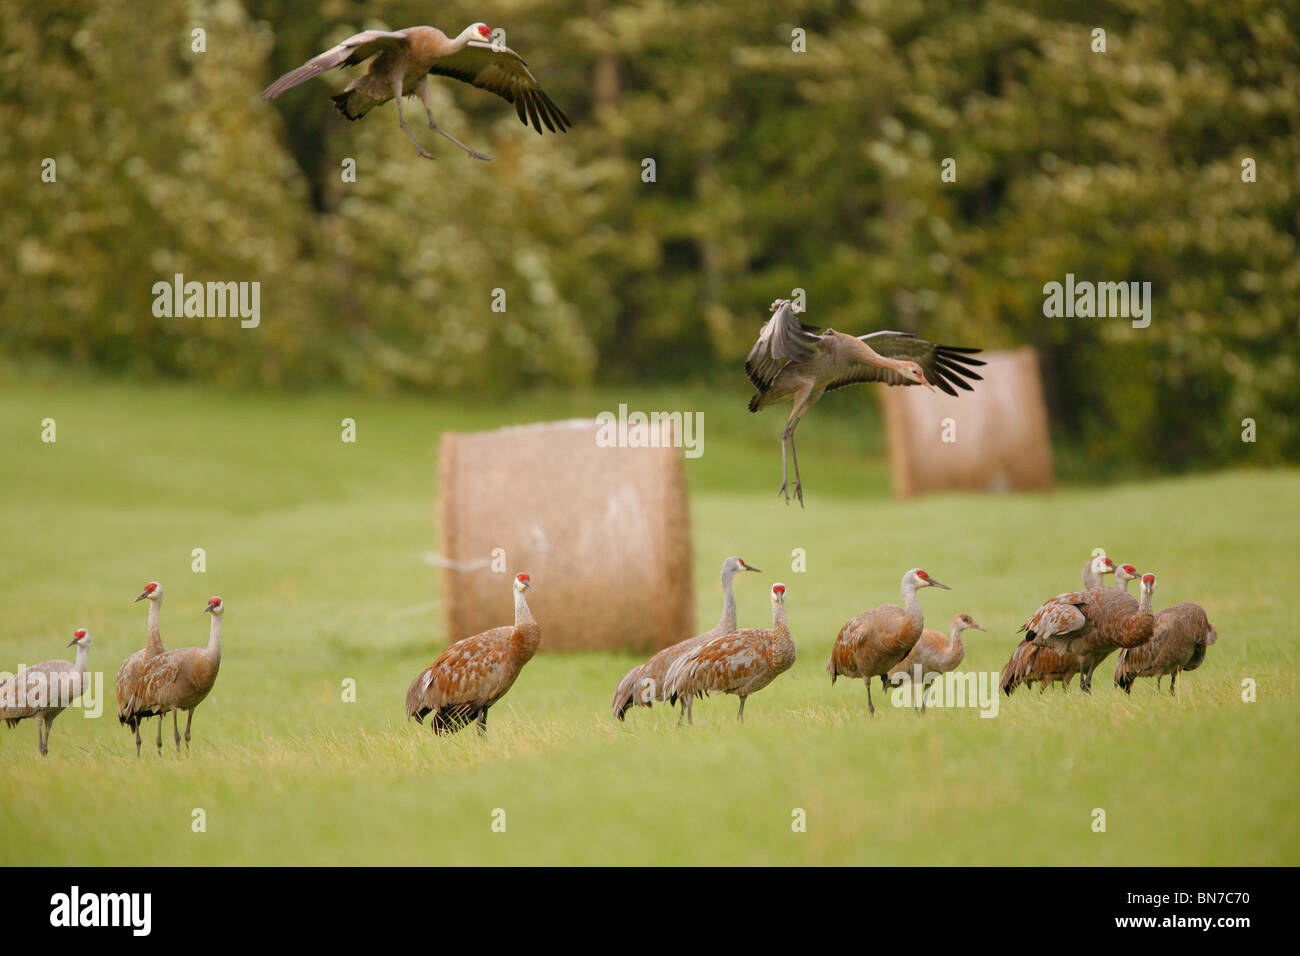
(1095, 571)
(1179, 640)
(741, 663)
(180, 679)
(1030, 663)
(44, 690)
(1093, 623)
(405, 60)
(794, 361)
(876, 640)
(934, 653)
(474, 673)
(1125, 573)
(644, 684)
(129, 673)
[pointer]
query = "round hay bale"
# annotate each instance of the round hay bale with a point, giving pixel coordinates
(604, 532)
(992, 439)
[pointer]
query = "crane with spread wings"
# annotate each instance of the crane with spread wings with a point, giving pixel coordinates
(403, 61)
(797, 362)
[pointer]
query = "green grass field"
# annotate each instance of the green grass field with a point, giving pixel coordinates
(317, 546)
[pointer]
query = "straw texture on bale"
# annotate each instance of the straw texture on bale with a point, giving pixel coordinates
(1000, 431)
(604, 532)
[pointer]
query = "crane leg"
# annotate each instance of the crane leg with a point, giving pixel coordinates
(1159, 678)
(176, 730)
(137, 738)
(40, 735)
(401, 120)
(189, 719)
(794, 458)
(160, 720)
(482, 722)
(1173, 679)
(741, 716)
(871, 708)
(422, 90)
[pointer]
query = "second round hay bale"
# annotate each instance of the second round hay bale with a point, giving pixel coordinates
(994, 438)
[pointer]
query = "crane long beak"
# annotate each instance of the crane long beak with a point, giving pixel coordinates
(976, 626)
(71, 642)
(141, 597)
(939, 584)
(750, 567)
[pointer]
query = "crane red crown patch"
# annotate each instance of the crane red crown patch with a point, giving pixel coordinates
(1148, 579)
(150, 587)
(484, 31)
(1129, 569)
(778, 588)
(214, 600)
(81, 632)
(522, 577)
(922, 575)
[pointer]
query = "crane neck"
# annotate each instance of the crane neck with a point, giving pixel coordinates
(912, 605)
(83, 655)
(214, 637)
(954, 635)
(727, 623)
(778, 618)
(1145, 603)
(154, 642)
(523, 615)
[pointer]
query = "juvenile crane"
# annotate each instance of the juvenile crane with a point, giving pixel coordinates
(1092, 623)
(740, 663)
(180, 680)
(875, 641)
(1179, 641)
(44, 690)
(644, 684)
(405, 58)
(798, 362)
(1030, 663)
(129, 673)
(474, 673)
(934, 654)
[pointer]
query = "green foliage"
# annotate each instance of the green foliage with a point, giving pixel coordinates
(774, 169)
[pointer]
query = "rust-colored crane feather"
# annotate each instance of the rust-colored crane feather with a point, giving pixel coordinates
(1179, 641)
(128, 675)
(877, 640)
(1093, 623)
(469, 677)
(179, 680)
(741, 663)
(645, 683)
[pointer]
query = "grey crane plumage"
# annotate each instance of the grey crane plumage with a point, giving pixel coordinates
(45, 690)
(800, 362)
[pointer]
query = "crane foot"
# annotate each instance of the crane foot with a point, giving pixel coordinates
(798, 492)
